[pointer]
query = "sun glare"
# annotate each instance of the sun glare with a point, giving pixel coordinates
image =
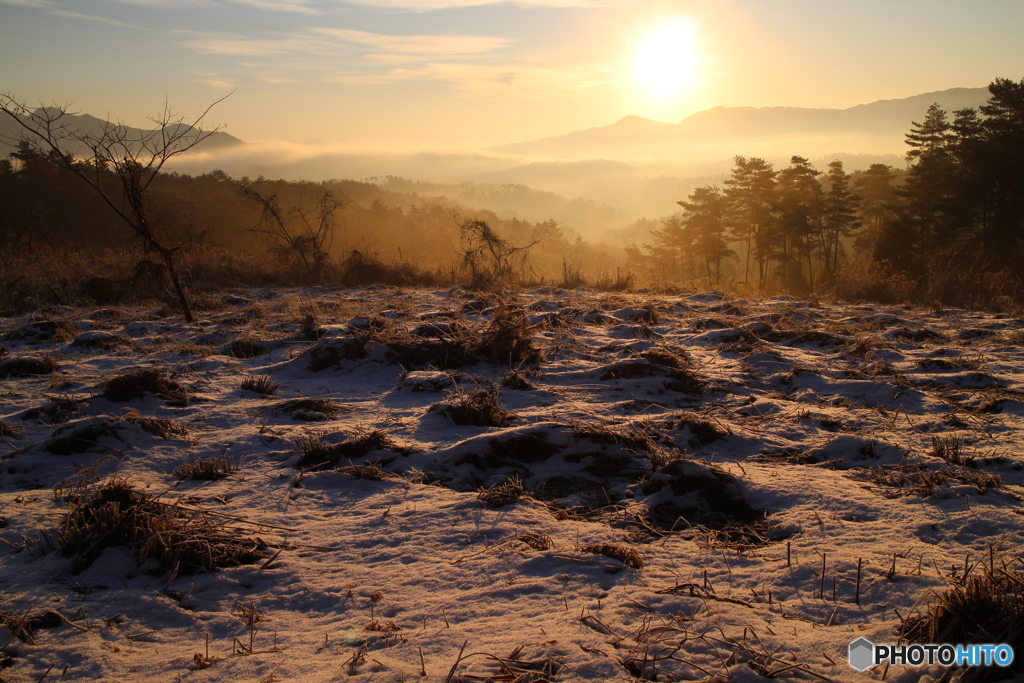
(665, 64)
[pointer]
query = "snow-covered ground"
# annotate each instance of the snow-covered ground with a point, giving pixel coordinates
(679, 470)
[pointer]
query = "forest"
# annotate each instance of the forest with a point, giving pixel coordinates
(945, 230)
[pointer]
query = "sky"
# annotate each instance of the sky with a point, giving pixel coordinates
(469, 74)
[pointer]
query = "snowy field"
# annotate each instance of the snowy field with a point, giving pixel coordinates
(442, 486)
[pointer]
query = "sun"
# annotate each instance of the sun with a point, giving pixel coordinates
(666, 60)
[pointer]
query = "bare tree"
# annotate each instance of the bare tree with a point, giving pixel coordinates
(303, 234)
(492, 261)
(119, 163)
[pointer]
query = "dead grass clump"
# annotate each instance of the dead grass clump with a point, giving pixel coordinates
(8, 430)
(310, 409)
(517, 379)
(478, 407)
(626, 555)
(986, 607)
(604, 434)
(949, 448)
(316, 455)
(244, 348)
(27, 366)
(44, 329)
(56, 412)
(370, 472)
(702, 431)
(330, 353)
(24, 626)
(509, 491)
(165, 428)
(208, 469)
(449, 354)
(536, 541)
(260, 384)
(509, 339)
(703, 494)
(101, 340)
(116, 514)
(918, 336)
(135, 384)
(898, 481)
(80, 438)
(676, 358)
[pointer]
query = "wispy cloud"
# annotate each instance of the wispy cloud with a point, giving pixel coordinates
(377, 47)
(480, 79)
(57, 10)
(218, 82)
(69, 14)
(240, 46)
(426, 45)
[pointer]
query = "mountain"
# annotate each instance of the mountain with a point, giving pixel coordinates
(84, 124)
(722, 132)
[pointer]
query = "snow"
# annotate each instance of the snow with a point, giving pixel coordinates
(656, 423)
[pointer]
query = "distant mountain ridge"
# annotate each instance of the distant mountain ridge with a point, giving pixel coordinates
(873, 128)
(11, 133)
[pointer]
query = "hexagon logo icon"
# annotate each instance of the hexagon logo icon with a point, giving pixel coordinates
(862, 653)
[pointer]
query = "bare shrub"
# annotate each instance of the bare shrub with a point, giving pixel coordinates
(492, 261)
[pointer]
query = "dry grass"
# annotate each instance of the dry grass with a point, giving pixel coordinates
(624, 554)
(27, 366)
(508, 491)
(7, 430)
(81, 437)
(135, 384)
(310, 409)
(260, 384)
(165, 428)
(518, 380)
(477, 407)
(117, 514)
(897, 481)
(208, 469)
(316, 455)
(984, 605)
(508, 339)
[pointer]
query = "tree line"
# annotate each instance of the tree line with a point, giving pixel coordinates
(958, 206)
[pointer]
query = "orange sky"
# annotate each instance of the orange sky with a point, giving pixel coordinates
(458, 74)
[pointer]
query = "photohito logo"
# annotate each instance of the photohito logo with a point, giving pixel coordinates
(864, 654)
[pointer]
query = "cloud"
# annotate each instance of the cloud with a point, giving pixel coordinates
(370, 47)
(439, 45)
(216, 82)
(236, 45)
(55, 9)
(483, 79)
